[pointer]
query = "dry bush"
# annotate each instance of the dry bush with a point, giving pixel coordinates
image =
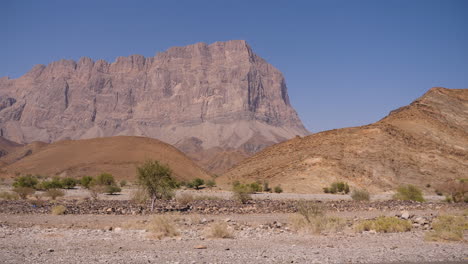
(311, 218)
(384, 224)
(448, 228)
(184, 198)
(360, 195)
(24, 192)
(219, 230)
(409, 193)
(54, 193)
(9, 196)
(139, 196)
(162, 226)
(58, 210)
(95, 190)
(241, 193)
(455, 190)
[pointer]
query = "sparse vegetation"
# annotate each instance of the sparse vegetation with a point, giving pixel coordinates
(337, 187)
(185, 198)
(104, 179)
(448, 228)
(54, 193)
(139, 196)
(9, 196)
(103, 183)
(311, 218)
(86, 181)
(219, 230)
(112, 189)
(27, 181)
(197, 183)
(360, 195)
(266, 187)
(255, 187)
(384, 224)
(68, 183)
(455, 190)
(157, 180)
(278, 189)
(241, 193)
(123, 183)
(210, 183)
(55, 183)
(58, 210)
(409, 193)
(162, 226)
(24, 192)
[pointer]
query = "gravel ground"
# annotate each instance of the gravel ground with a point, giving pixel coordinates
(257, 239)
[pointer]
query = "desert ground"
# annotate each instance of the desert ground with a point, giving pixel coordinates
(116, 237)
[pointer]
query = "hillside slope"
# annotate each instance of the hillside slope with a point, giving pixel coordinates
(116, 155)
(423, 143)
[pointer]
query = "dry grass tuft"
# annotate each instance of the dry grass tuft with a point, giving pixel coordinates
(58, 210)
(311, 218)
(8, 196)
(162, 226)
(219, 230)
(384, 224)
(448, 228)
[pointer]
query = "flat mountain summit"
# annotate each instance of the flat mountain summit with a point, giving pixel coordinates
(424, 143)
(218, 103)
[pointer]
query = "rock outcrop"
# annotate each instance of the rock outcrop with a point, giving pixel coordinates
(220, 96)
(424, 143)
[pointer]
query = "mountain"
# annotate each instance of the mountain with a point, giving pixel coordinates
(7, 146)
(423, 143)
(220, 98)
(116, 155)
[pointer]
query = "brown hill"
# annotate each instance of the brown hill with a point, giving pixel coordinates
(7, 146)
(21, 151)
(116, 155)
(221, 94)
(423, 143)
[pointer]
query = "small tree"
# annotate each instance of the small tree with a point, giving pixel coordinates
(156, 179)
(104, 179)
(197, 183)
(409, 193)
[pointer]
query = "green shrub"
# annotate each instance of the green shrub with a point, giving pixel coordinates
(55, 183)
(360, 195)
(104, 179)
(86, 181)
(123, 183)
(68, 183)
(266, 187)
(278, 189)
(384, 224)
(27, 181)
(196, 183)
(210, 183)
(448, 228)
(241, 193)
(112, 189)
(24, 192)
(255, 187)
(54, 193)
(337, 187)
(409, 193)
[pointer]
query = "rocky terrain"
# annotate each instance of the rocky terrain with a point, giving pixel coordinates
(424, 143)
(116, 155)
(218, 103)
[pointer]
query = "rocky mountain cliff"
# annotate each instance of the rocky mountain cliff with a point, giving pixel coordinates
(424, 143)
(219, 97)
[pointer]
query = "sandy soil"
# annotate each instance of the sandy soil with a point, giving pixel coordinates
(87, 239)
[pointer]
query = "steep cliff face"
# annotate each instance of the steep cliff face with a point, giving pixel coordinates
(222, 95)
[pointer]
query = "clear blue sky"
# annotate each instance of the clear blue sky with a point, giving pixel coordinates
(346, 63)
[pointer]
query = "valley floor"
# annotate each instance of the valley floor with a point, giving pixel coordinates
(258, 238)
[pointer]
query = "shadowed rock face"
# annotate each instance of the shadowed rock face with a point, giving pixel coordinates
(218, 96)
